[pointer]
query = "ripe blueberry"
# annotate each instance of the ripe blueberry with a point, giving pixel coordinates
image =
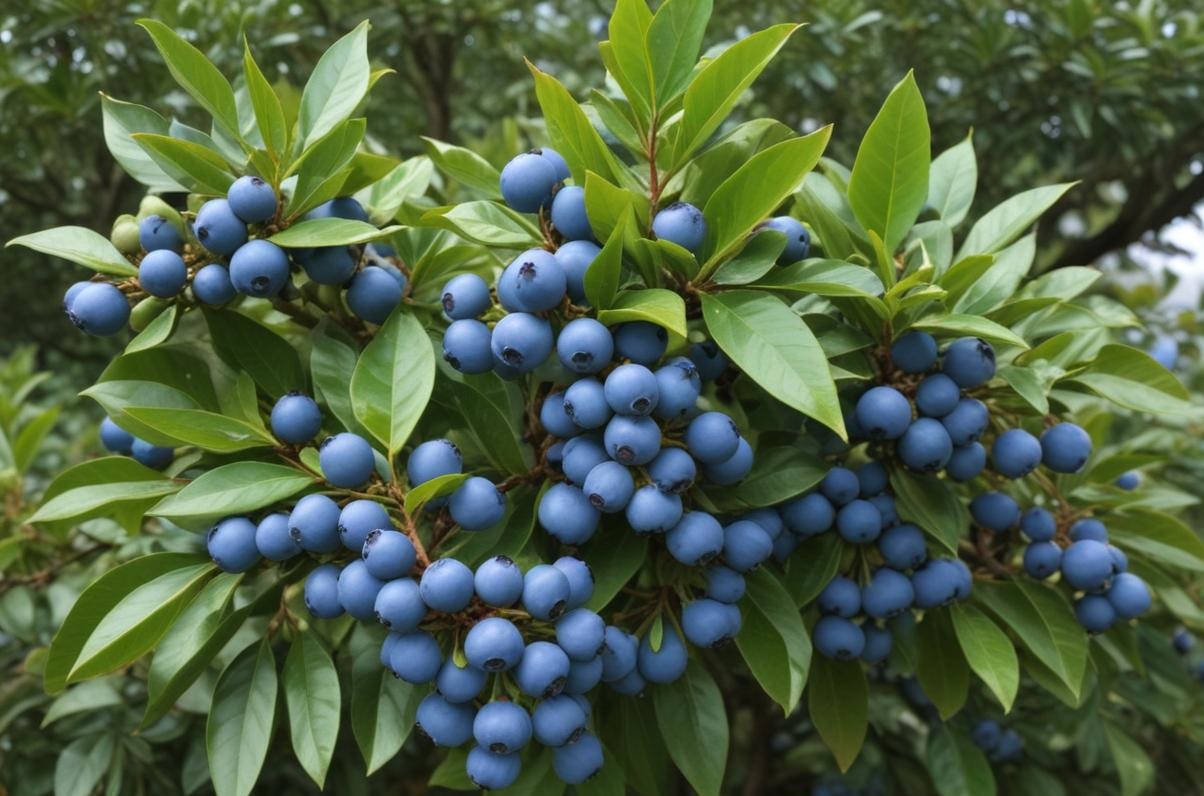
(231, 544)
(296, 419)
(681, 223)
(347, 460)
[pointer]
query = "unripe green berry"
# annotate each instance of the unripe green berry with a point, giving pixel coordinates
(146, 311)
(125, 234)
(154, 206)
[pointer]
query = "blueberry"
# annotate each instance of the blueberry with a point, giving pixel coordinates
(558, 721)
(632, 441)
(554, 455)
(100, 309)
(679, 386)
(967, 422)
(1042, 559)
(373, 294)
(467, 346)
(1088, 528)
(642, 342)
(583, 676)
(162, 273)
(672, 470)
(733, 469)
(477, 504)
(499, 581)
(346, 460)
(557, 160)
(218, 229)
(415, 657)
(859, 522)
(388, 553)
(926, 446)
(575, 257)
(581, 579)
(631, 390)
(581, 455)
(527, 182)
(798, 240)
(936, 583)
(358, 590)
(653, 511)
(259, 268)
(1183, 641)
(696, 539)
(619, 655)
(578, 761)
(1010, 747)
(903, 547)
(399, 605)
(565, 513)
(490, 771)
(681, 223)
(709, 359)
(724, 584)
(580, 633)
(838, 639)
(432, 459)
(554, 419)
(995, 511)
(445, 723)
(709, 623)
(447, 585)
(712, 438)
(872, 479)
(883, 413)
(1128, 481)
(534, 281)
(542, 671)
(585, 346)
(841, 597)
(155, 457)
(770, 520)
(156, 232)
(666, 664)
(1095, 613)
(115, 438)
(1120, 562)
(465, 296)
(886, 507)
(889, 593)
(502, 727)
(969, 361)
(609, 487)
(585, 402)
(1065, 448)
(359, 518)
(296, 419)
(322, 592)
(568, 214)
(986, 734)
(328, 265)
(937, 395)
(314, 524)
(252, 199)
(73, 291)
(272, 538)
(493, 645)
(809, 515)
(966, 462)
(1016, 453)
(340, 207)
(211, 285)
(521, 341)
(1129, 596)
(1087, 565)
(545, 592)
(840, 486)
(458, 684)
(914, 352)
(878, 643)
(231, 544)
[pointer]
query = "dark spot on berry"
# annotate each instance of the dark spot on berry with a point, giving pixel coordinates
(640, 405)
(512, 356)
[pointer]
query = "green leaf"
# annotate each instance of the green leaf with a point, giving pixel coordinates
(507, 538)
(409, 180)
(694, 725)
(491, 411)
(838, 703)
(834, 278)
(952, 182)
(79, 245)
(235, 488)
(629, 56)
(778, 474)
(1009, 219)
(196, 75)
(329, 232)
(138, 620)
(773, 641)
(717, 87)
(269, 112)
(206, 430)
(393, 380)
(755, 260)
(239, 728)
(105, 470)
(86, 697)
(199, 168)
(249, 345)
(156, 332)
(88, 498)
(1133, 764)
(121, 121)
(572, 133)
(336, 86)
(989, 652)
(382, 707)
(628, 728)
(1159, 537)
(427, 491)
(674, 39)
(957, 766)
(486, 222)
(614, 562)
(1000, 281)
(311, 691)
(332, 356)
(970, 325)
(665, 308)
(1029, 385)
(1043, 622)
(466, 167)
(776, 349)
(319, 170)
(812, 566)
(29, 440)
(941, 668)
(889, 184)
(752, 193)
(83, 763)
(1132, 379)
(609, 206)
(602, 276)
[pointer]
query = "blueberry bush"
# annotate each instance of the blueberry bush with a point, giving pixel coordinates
(658, 457)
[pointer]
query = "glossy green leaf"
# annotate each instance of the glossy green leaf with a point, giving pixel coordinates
(952, 182)
(382, 706)
(311, 691)
(572, 133)
(206, 430)
(1132, 379)
(629, 56)
(196, 75)
(614, 561)
(602, 277)
(393, 380)
(773, 641)
(674, 39)
(319, 170)
(269, 112)
(466, 167)
(954, 324)
(488, 223)
(694, 725)
(437, 487)
(235, 488)
(989, 652)
(337, 85)
(812, 565)
(83, 764)
(1008, 220)
(239, 727)
(491, 412)
(837, 701)
(79, 245)
(199, 168)
(941, 668)
(249, 345)
(664, 308)
(957, 766)
(121, 121)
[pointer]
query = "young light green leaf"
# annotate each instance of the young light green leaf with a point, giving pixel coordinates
(838, 701)
(393, 380)
(952, 182)
(674, 39)
(1009, 219)
(120, 121)
(989, 652)
(628, 48)
(196, 75)
(88, 498)
(79, 245)
(486, 222)
(889, 184)
(608, 205)
(602, 277)
(156, 332)
(319, 169)
(663, 307)
(329, 232)
(972, 326)
(198, 168)
(694, 725)
(465, 166)
(336, 86)
(269, 112)
(234, 488)
(437, 487)
(311, 691)
(239, 728)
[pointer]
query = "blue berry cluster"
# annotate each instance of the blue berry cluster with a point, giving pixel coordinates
(117, 440)
(1001, 745)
